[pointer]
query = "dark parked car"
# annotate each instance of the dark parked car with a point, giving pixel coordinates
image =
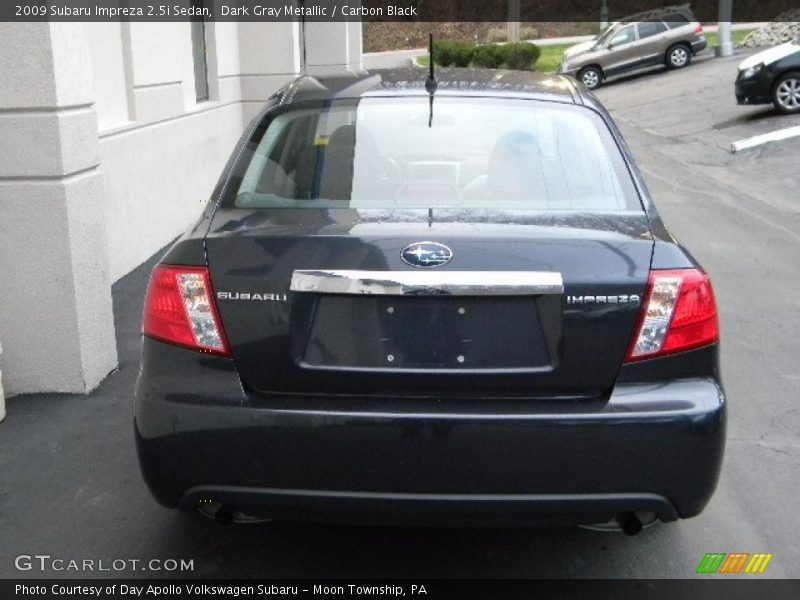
(452, 304)
(771, 76)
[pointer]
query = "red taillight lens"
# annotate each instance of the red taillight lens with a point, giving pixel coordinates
(698, 30)
(679, 313)
(180, 308)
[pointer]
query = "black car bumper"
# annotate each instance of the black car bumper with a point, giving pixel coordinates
(756, 90)
(654, 447)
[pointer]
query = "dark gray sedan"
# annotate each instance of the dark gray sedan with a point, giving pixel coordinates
(442, 304)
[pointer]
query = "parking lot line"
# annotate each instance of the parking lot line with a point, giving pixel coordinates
(758, 140)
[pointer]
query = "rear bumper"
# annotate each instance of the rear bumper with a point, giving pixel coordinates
(441, 510)
(699, 45)
(649, 447)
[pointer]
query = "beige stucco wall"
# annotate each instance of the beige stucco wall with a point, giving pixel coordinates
(106, 156)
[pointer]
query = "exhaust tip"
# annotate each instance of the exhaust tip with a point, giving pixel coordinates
(223, 514)
(629, 522)
(226, 514)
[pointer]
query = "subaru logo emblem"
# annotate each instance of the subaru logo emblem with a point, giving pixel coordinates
(426, 254)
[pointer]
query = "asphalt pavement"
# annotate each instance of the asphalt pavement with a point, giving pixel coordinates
(71, 488)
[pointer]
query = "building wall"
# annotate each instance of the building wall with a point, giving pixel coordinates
(109, 75)
(56, 321)
(106, 156)
(270, 54)
(161, 150)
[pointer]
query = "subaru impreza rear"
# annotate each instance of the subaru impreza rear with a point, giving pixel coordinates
(452, 305)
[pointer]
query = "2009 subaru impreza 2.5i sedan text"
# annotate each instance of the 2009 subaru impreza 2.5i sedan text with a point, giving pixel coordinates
(444, 305)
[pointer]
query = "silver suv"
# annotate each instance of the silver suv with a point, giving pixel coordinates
(669, 36)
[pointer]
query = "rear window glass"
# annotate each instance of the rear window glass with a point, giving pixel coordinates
(459, 153)
(675, 20)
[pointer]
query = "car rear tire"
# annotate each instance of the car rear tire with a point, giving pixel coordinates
(591, 77)
(786, 93)
(679, 56)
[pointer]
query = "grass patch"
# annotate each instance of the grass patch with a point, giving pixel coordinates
(550, 57)
(737, 36)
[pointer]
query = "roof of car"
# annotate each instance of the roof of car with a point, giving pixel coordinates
(410, 81)
(661, 12)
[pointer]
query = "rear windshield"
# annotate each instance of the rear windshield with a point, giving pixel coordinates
(676, 20)
(454, 153)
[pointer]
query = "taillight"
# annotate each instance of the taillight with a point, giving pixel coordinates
(179, 307)
(679, 313)
(699, 29)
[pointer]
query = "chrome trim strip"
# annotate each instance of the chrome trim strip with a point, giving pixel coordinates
(429, 283)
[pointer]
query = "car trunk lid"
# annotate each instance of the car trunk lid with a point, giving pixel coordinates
(529, 305)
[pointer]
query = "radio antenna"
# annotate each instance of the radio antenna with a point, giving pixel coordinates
(430, 83)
